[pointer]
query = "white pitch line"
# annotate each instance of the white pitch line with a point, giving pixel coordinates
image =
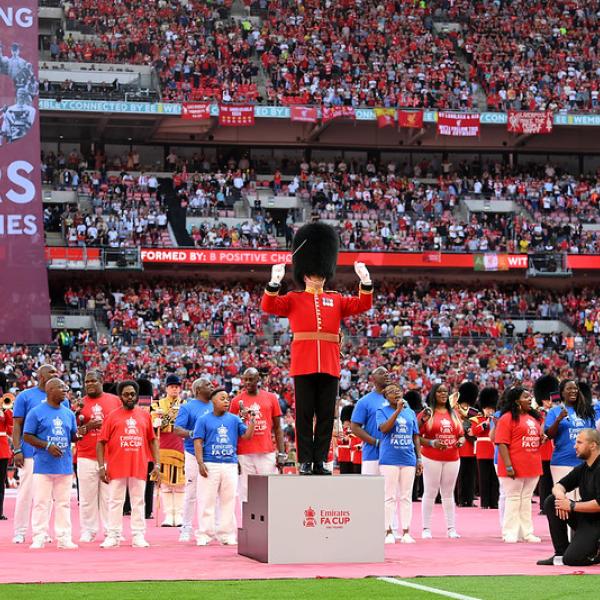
(426, 588)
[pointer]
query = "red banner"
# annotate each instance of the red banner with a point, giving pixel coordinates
(530, 121)
(236, 115)
(209, 256)
(195, 110)
(458, 124)
(24, 301)
(410, 118)
(303, 114)
(385, 117)
(337, 112)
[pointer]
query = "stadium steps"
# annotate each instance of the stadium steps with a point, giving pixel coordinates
(54, 238)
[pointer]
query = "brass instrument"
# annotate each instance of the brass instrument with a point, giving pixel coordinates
(8, 401)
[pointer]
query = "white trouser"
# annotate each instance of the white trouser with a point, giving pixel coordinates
(398, 488)
(558, 472)
(221, 483)
(501, 499)
(49, 489)
(252, 464)
(117, 488)
(518, 520)
(191, 492)
(439, 476)
(93, 497)
(369, 467)
(24, 498)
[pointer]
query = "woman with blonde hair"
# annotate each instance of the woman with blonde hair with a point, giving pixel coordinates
(442, 435)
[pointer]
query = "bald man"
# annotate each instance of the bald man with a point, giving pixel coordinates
(257, 455)
(185, 422)
(364, 421)
(51, 428)
(25, 402)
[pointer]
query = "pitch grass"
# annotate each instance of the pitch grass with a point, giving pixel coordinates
(485, 588)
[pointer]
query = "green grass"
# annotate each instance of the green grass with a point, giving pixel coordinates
(485, 588)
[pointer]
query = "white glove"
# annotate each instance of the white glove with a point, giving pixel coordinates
(363, 273)
(277, 274)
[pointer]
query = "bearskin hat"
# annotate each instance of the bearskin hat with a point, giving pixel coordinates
(467, 393)
(346, 412)
(315, 250)
(488, 398)
(414, 400)
(586, 390)
(544, 388)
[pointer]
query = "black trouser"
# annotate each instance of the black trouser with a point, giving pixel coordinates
(586, 536)
(3, 470)
(545, 484)
(417, 492)
(316, 395)
(349, 468)
(488, 483)
(465, 489)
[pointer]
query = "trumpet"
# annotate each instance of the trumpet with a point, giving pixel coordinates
(8, 401)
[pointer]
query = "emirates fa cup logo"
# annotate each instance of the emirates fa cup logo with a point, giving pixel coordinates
(309, 517)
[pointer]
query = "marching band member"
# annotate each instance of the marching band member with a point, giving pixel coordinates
(315, 316)
(172, 489)
(6, 429)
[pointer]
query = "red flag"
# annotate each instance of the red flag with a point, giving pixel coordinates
(236, 115)
(303, 114)
(458, 124)
(530, 121)
(410, 118)
(337, 112)
(385, 117)
(195, 110)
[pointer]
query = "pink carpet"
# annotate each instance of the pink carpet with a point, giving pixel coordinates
(479, 552)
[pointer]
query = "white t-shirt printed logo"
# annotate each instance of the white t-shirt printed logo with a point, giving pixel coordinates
(400, 435)
(222, 435)
(131, 427)
(58, 427)
(532, 439)
(446, 435)
(97, 412)
(132, 437)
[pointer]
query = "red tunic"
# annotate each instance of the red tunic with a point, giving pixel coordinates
(315, 312)
(6, 429)
(484, 447)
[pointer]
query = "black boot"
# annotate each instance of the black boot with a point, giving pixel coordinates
(319, 469)
(305, 469)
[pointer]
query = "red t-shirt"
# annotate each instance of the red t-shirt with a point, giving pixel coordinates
(127, 434)
(523, 440)
(94, 408)
(265, 407)
(445, 429)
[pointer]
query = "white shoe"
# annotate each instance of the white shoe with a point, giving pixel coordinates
(87, 537)
(168, 522)
(452, 534)
(110, 542)
(37, 545)
(389, 538)
(426, 535)
(229, 541)
(407, 539)
(19, 538)
(202, 540)
(139, 542)
(532, 539)
(48, 539)
(508, 539)
(185, 536)
(67, 545)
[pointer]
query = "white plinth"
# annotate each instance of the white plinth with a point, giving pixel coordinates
(313, 519)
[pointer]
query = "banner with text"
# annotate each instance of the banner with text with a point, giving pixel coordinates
(196, 111)
(458, 124)
(337, 112)
(24, 301)
(303, 114)
(530, 121)
(236, 115)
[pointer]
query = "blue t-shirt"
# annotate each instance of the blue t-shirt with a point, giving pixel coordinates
(187, 416)
(564, 441)
(365, 414)
(219, 436)
(56, 425)
(397, 445)
(26, 401)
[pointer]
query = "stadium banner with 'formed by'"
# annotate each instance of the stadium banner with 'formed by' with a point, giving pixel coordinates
(24, 300)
